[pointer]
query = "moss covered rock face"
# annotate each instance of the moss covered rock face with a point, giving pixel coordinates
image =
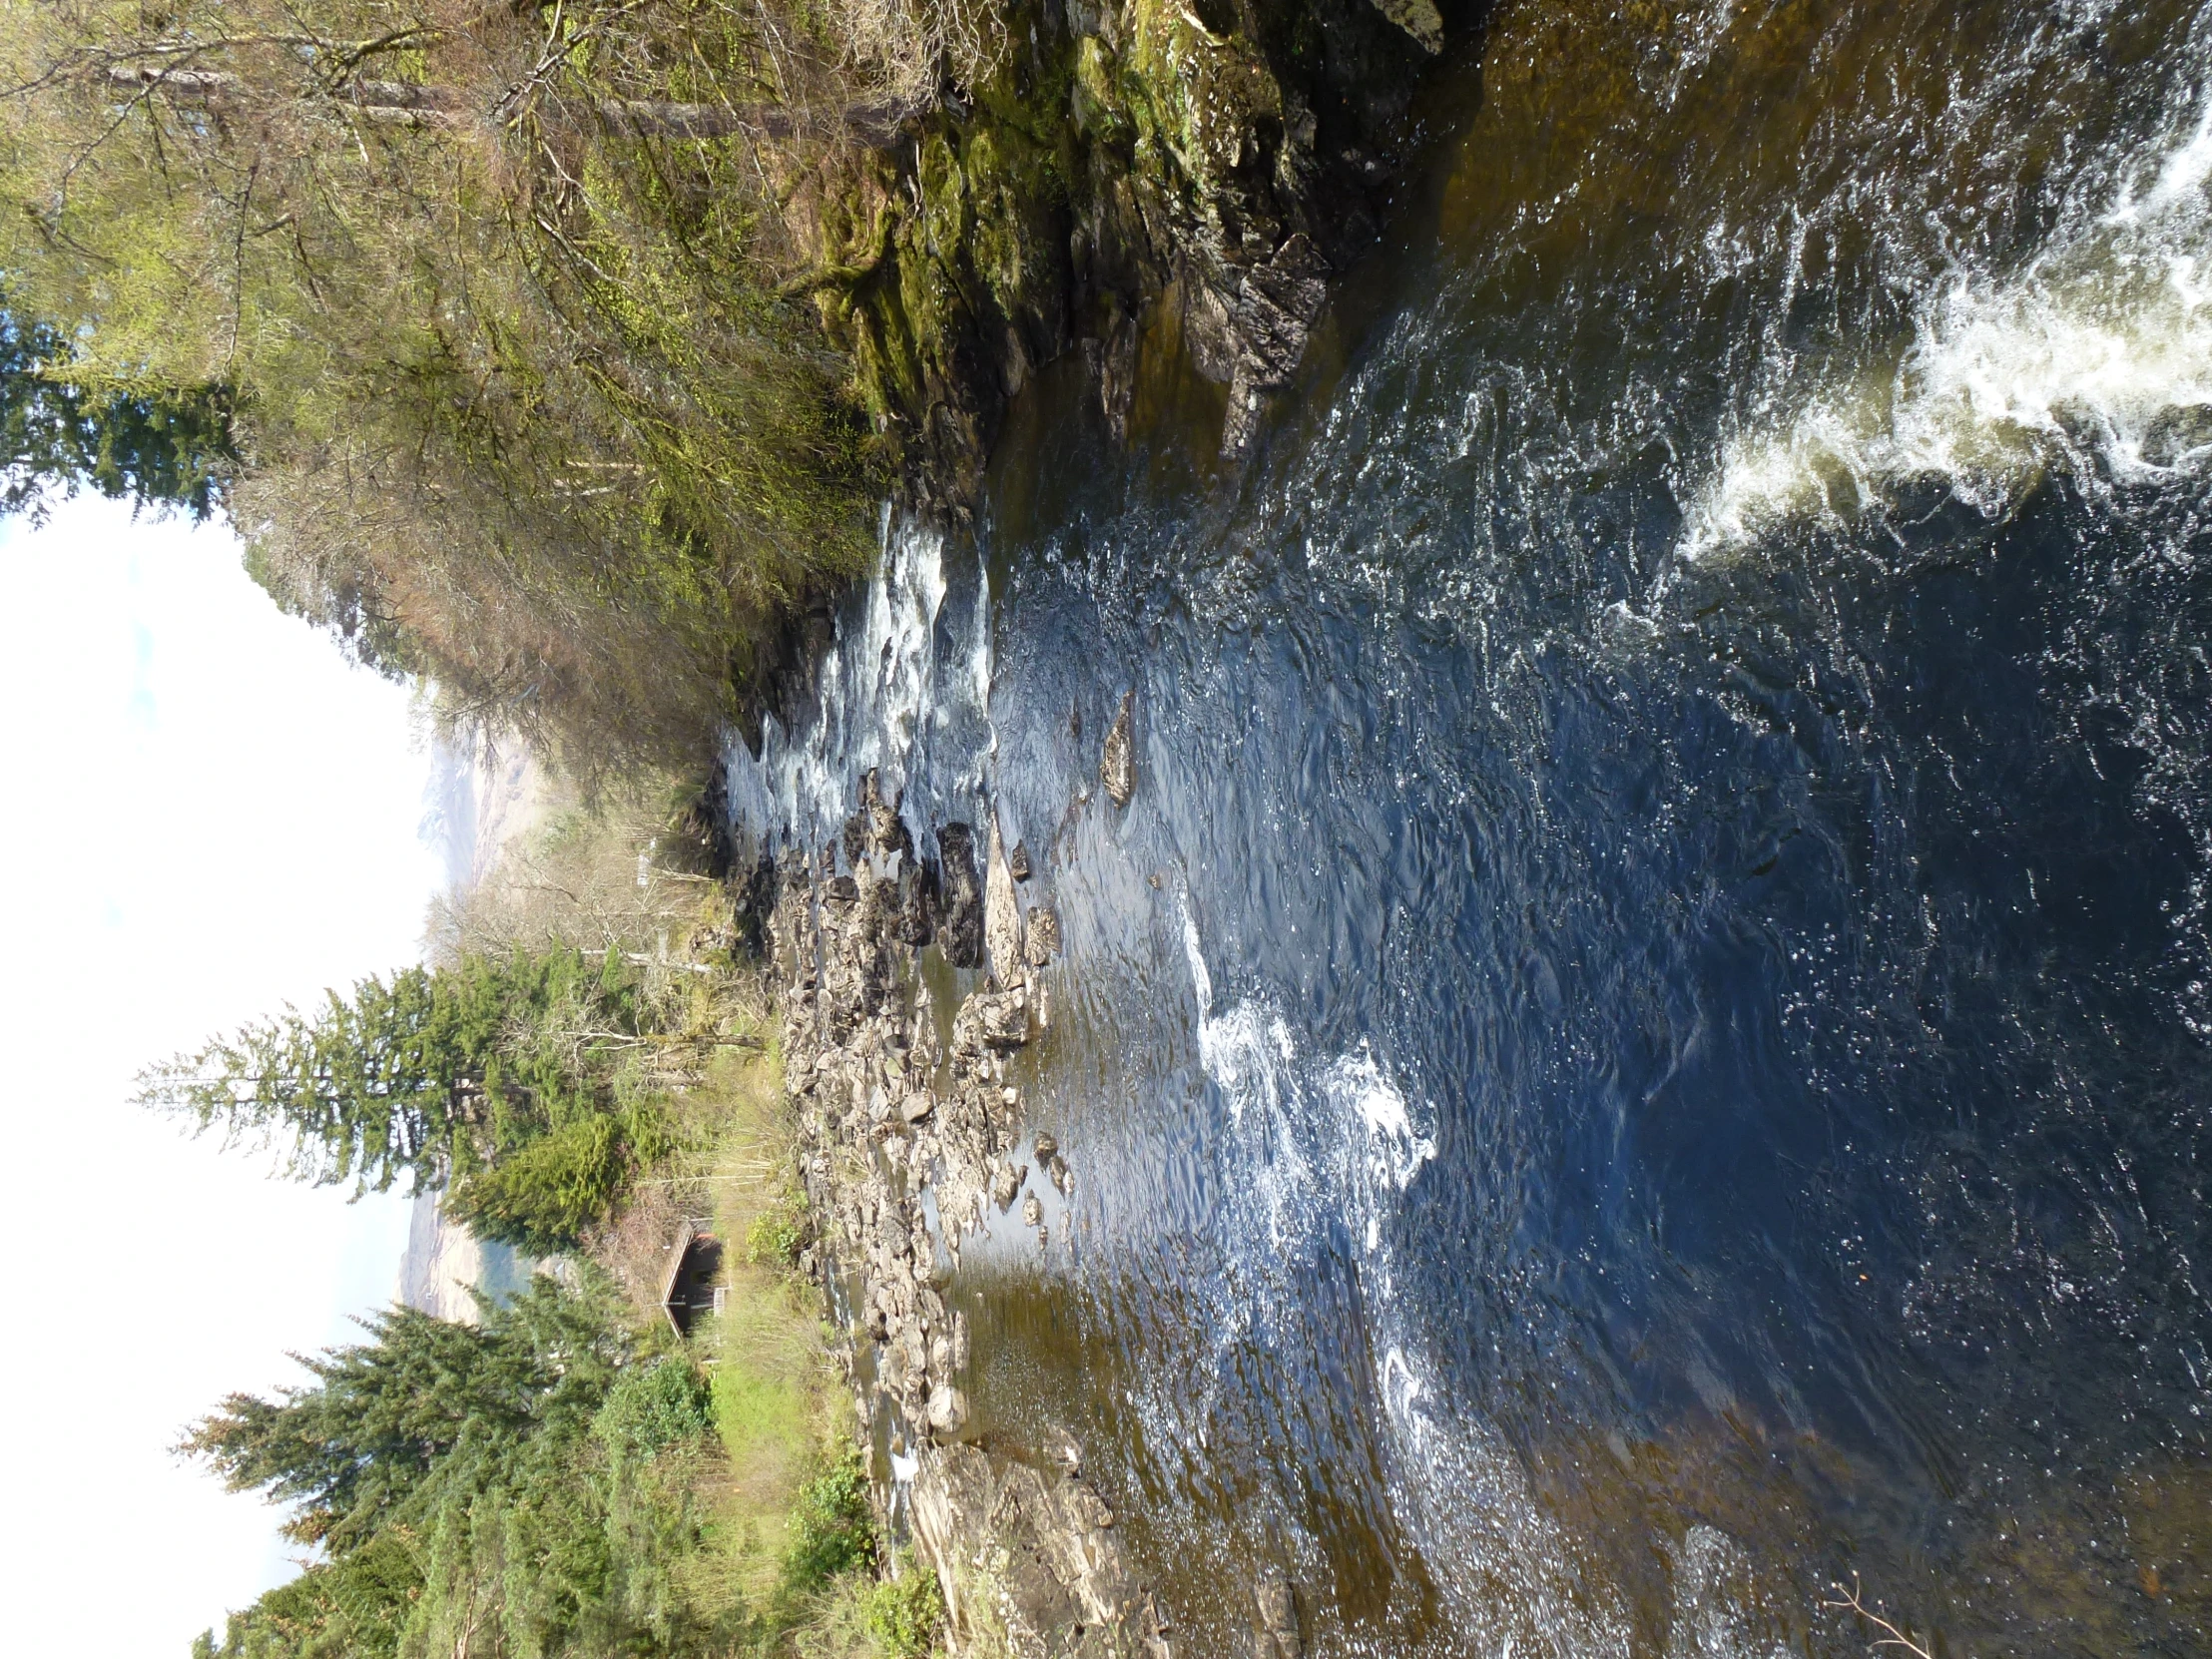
(1222, 154)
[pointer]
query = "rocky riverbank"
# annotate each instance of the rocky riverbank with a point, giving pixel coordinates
(898, 1097)
(1129, 175)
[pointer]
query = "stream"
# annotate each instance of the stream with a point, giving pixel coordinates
(1640, 1050)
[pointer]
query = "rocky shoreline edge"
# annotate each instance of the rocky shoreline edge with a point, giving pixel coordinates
(896, 1097)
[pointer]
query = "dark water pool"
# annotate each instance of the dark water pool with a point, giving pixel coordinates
(1641, 1047)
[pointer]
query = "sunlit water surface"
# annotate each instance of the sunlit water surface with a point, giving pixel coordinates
(1641, 1049)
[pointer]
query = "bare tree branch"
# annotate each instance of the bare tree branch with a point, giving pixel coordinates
(1896, 1637)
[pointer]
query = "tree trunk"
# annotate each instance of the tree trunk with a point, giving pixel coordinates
(400, 103)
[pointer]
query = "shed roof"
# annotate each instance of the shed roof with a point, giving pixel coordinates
(678, 1253)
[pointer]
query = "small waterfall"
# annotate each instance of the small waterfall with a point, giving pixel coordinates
(900, 690)
(2093, 356)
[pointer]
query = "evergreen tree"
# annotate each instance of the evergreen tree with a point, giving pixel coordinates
(434, 1075)
(424, 1404)
(158, 447)
(419, 1463)
(353, 1607)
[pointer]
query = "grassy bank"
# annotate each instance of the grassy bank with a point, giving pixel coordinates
(569, 1474)
(787, 1538)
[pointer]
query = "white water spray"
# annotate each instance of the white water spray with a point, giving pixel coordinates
(2096, 357)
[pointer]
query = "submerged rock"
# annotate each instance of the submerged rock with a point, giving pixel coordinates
(1275, 1636)
(960, 903)
(1117, 766)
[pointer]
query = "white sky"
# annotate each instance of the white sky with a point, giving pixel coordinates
(206, 814)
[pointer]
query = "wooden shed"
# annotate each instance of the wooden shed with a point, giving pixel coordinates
(687, 1287)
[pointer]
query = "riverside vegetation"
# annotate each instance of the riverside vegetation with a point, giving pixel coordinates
(558, 350)
(560, 355)
(565, 1476)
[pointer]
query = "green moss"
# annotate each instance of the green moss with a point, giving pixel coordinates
(1095, 100)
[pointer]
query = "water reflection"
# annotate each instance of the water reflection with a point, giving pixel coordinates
(1639, 1048)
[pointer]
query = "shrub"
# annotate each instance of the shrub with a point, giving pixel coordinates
(832, 1528)
(906, 1614)
(659, 1404)
(777, 1233)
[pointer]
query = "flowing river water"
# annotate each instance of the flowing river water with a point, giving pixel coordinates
(1641, 1047)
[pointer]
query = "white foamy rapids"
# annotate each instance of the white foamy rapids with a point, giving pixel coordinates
(881, 692)
(1329, 1141)
(1336, 1143)
(2097, 359)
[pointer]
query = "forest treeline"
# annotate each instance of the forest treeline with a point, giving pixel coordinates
(583, 1066)
(541, 1481)
(486, 314)
(561, 347)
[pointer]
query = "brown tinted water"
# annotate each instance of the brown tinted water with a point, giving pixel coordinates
(1639, 1050)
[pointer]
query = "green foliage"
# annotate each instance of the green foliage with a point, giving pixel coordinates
(776, 1236)
(525, 406)
(157, 447)
(541, 1195)
(502, 1075)
(832, 1528)
(663, 1404)
(905, 1614)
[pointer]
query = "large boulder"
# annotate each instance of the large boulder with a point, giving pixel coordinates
(960, 898)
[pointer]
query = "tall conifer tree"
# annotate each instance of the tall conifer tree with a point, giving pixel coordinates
(436, 1076)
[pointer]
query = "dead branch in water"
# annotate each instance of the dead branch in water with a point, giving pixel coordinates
(1896, 1637)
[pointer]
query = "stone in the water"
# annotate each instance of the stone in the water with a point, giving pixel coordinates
(960, 903)
(1117, 767)
(1277, 1635)
(1044, 936)
(1418, 18)
(1018, 861)
(1002, 927)
(1032, 1212)
(1047, 1148)
(1004, 1020)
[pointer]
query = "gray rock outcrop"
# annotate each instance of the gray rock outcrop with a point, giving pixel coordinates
(1026, 1553)
(889, 1112)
